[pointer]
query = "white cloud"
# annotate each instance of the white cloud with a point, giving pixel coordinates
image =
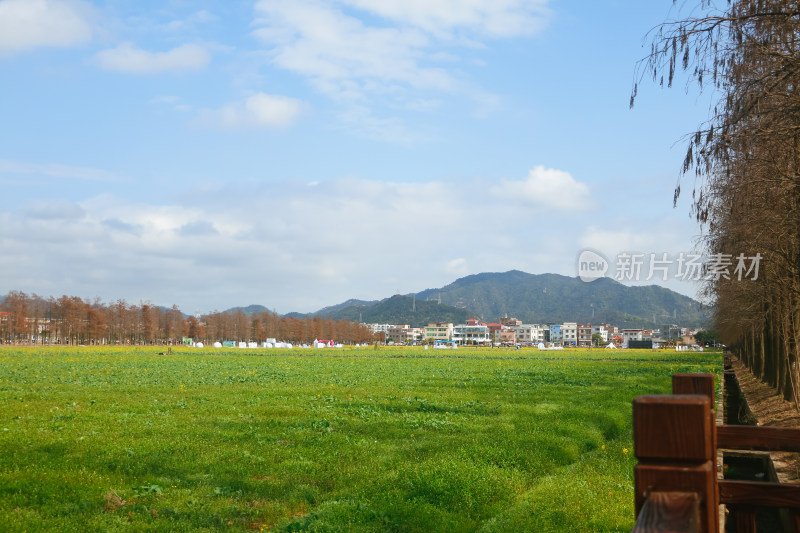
(196, 18)
(618, 239)
(545, 187)
(293, 246)
(172, 101)
(26, 24)
(258, 110)
(272, 110)
(457, 266)
(56, 210)
(624, 232)
(336, 49)
(290, 246)
(639, 247)
(132, 60)
(501, 18)
(198, 227)
(362, 120)
(396, 54)
(51, 170)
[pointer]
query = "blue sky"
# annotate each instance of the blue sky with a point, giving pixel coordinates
(296, 153)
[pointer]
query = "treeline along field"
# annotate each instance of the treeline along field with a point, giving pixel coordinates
(32, 319)
(119, 439)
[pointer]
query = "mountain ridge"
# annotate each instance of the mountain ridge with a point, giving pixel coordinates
(532, 298)
(554, 298)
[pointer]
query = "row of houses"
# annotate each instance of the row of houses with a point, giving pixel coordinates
(513, 331)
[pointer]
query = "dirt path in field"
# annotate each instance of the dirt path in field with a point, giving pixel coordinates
(770, 410)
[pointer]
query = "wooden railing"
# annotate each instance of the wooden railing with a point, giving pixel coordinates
(676, 440)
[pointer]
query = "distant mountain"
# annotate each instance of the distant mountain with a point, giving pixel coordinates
(552, 298)
(398, 309)
(532, 298)
(165, 309)
(249, 310)
(327, 311)
(332, 309)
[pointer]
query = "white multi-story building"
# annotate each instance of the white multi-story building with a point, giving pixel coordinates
(569, 333)
(542, 333)
(532, 333)
(380, 328)
(471, 334)
(632, 334)
(523, 333)
(600, 330)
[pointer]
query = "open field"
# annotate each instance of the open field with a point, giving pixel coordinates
(121, 439)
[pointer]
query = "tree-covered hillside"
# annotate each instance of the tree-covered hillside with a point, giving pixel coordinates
(552, 298)
(400, 309)
(532, 298)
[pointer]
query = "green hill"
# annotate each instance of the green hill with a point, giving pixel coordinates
(398, 309)
(249, 310)
(552, 298)
(532, 298)
(332, 309)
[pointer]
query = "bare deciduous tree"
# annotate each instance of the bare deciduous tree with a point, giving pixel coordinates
(745, 158)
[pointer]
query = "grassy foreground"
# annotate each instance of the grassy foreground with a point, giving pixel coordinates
(121, 439)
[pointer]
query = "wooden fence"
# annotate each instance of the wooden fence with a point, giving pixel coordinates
(677, 487)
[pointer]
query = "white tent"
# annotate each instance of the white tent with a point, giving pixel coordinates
(611, 345)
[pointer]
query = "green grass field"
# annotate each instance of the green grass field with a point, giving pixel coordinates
(122, 439)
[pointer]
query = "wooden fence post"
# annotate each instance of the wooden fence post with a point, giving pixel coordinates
(694, 384)
(701, 384)
(674, 443)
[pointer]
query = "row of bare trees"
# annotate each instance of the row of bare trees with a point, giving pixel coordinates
(746, 162)
(71, 320)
